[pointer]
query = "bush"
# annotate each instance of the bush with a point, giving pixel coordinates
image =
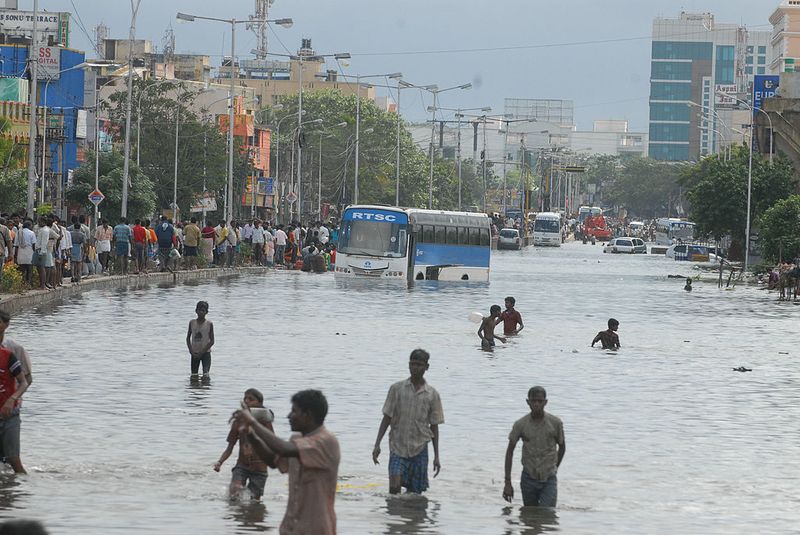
(12, 280)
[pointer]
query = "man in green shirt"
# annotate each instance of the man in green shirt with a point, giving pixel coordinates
(543, 449)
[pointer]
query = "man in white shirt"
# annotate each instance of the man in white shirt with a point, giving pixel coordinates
(257, 237)
(246, 233)
(324, 234)
(280, 244)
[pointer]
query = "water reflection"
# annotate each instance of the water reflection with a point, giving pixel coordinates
(198, 391)
(10, 491)
(408, 513)
(531, 520)
(249, 515)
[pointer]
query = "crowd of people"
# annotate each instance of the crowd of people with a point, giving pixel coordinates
(49, 250)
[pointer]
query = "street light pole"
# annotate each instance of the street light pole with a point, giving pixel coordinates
(33, 63)
(397, 152)
(358, 121)
(127, 150)
(286, 23)
(175, 181)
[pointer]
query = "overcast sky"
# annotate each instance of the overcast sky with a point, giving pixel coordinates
(606, 80)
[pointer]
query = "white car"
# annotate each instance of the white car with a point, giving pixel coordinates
(626, 245)
(509, 239)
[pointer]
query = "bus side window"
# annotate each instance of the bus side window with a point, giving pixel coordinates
(463, 236)
(486, 239)
(474, 236)
(427, 234)
(440, 234)
(452, 235)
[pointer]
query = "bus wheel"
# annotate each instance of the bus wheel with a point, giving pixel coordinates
(420, 276)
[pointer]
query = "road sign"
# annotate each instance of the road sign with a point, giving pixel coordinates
(764, 87)
(96, 197)
(291, 197)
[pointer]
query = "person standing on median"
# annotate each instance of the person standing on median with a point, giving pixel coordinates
(543, 449)
(165, 233)
(414, 411)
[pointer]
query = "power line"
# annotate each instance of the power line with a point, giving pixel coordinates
(524, 47)
(82, 27)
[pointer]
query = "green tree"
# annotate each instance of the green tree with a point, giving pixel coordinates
(141, 194)
(647, 188)
(602, 170)
(780, 229)
(202, 147)
(717, 192)
(377, 156)
(13, 182)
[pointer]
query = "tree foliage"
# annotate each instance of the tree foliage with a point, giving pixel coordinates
(647, 188)
(202, 147)
(717, 191)
(377, 156)
(780, 229)
(141, 194)
(13, 182)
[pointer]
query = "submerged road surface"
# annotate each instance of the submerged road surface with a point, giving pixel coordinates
(662, 437)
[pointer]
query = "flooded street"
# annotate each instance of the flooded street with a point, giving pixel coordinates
(662, 437)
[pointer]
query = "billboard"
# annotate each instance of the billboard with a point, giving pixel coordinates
(22, 22)
(764, 86)
(725, 95)
(49, 59)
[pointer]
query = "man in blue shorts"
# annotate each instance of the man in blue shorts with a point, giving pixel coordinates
(414, 411)
(122, 242)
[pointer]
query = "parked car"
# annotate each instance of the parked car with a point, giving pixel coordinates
(509, 239)
(626, 245)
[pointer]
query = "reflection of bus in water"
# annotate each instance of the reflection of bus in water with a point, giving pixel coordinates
(413, 244)
(547, 229)
(670, 230)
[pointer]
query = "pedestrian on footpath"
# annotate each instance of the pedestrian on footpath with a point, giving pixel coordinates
(191, 243)
(280, 245)
(199, 340)
(78, 240)
(122, 244)
(543, 449)
(413, 410)
(140, 246)
(311, 457)
(103, 236)
(257, 238)
(165, 233)
(12, 385)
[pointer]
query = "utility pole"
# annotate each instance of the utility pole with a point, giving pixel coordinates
(127, 151)
(33, 62)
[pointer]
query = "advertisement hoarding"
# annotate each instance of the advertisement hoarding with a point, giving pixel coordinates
(764, 87)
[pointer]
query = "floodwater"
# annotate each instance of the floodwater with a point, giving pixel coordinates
(662, 437)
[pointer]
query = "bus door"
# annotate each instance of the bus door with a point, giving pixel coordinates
(412, 254)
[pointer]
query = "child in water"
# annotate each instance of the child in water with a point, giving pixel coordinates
(199, 340)
(486, 330)
(688, 286)
(609, 338)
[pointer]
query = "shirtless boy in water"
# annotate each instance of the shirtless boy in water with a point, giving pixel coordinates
(486, 330)
(609, 338)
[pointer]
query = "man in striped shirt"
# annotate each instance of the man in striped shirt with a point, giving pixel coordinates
(414, 411)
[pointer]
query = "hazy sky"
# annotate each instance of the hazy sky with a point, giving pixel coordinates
(606, 80)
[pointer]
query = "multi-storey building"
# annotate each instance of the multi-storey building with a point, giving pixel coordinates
(785, 42)
(698, 70)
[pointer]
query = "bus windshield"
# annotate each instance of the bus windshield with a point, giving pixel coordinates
(546, 225)
(371, 238)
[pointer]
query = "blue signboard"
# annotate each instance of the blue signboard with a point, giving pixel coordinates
(764, 86)
(270, 185)
(375, 215)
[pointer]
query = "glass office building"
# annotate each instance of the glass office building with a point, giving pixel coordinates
(694, 61)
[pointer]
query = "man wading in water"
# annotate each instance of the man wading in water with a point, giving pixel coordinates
(199, 340)
(543, 449)
(486, 330)
(413, 409)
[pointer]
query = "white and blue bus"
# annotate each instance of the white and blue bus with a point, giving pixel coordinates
(671, 230)
(412, 244)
